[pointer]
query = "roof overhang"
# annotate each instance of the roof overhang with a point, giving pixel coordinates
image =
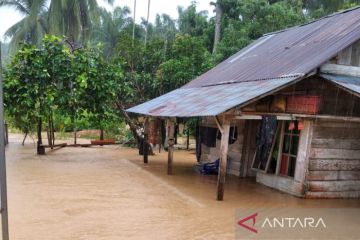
(348, 83)
(212, 100)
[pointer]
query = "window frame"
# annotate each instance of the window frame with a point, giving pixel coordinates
(280, 130)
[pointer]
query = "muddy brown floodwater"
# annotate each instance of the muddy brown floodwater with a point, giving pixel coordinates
(108, 193)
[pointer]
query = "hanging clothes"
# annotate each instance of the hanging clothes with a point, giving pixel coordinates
(232, 135)
(264, 140)
(208, 136)
(141, 146)
(198, 142)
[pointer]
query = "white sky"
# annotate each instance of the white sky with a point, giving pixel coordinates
(9, 16)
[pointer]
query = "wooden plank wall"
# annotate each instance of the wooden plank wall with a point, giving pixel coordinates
(334, 161)
(350, 56)
(335, 101)
(235, 149)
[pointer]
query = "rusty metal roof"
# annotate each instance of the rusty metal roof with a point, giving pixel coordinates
(208, 101)
(297, 50)
(349, 83)
(268, 64)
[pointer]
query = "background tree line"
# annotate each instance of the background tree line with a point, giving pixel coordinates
(162, 56)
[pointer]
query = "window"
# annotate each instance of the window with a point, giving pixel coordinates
(281, 158)
(291, 137)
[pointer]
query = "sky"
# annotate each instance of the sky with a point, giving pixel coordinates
(9, 16)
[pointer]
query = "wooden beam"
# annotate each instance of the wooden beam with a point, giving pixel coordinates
(171, 142)
(218, 123)
(223, 159)
(145, 143)
(60, 145)
(278, 162)
(340, 70)
(259, 117)
(302, 160)
(292, 116)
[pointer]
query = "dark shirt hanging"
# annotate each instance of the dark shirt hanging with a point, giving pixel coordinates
(208, 136)
(198, 142)
(264, 140)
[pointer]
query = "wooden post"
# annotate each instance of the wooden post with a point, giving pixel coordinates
(145, 143)
(224, 129)
(3, 186)
(6, 133)
(171, 143)
(101, 133)
(187, 139)
(52, 130)
(40, 148)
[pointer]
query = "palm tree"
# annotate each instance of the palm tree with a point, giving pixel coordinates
(70, 18)
(110, 27)
(32, 27)
(73, 18)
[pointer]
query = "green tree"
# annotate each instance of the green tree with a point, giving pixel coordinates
(30, 86)
(55, 80)
(108, 31)
(253, 18)
(93, 91)
(320, 8)
(189, 59)
(32, 27)
(73, 19)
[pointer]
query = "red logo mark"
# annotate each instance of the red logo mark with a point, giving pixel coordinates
(242, 221)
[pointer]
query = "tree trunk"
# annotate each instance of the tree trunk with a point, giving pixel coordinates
(75, 139)
(40, 148)
(128, 121)
(48, 131)
(23, 142)
(219, 13)
(101, 134)
(52, 131)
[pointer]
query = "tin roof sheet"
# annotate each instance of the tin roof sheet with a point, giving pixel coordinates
(209, 101)
(349, 83)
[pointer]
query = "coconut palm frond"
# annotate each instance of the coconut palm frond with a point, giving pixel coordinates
(18, 5)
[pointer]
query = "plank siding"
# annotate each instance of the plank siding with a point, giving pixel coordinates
(333, 175)
(284, 184)
(334, 161)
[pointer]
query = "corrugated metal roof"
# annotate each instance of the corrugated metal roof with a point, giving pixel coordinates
(208, 101)
(298, 50)
(352, 84)
(270, 63)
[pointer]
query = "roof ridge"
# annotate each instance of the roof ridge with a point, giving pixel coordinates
(256, 80)
(313, 21)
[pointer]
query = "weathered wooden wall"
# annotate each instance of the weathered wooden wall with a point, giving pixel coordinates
(335, 101)
(334, 161)
(235, 149)
(349, 56)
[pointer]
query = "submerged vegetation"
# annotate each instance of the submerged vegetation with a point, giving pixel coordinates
(75, 65)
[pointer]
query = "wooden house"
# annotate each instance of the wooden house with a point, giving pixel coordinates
(293, 98)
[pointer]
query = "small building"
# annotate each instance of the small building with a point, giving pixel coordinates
(286, 109)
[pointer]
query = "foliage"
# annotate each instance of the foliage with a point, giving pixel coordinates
(40, 82)
(189, 59)
(252, 19)
(32, 27)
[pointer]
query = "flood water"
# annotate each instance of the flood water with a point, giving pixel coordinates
(108, 193)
